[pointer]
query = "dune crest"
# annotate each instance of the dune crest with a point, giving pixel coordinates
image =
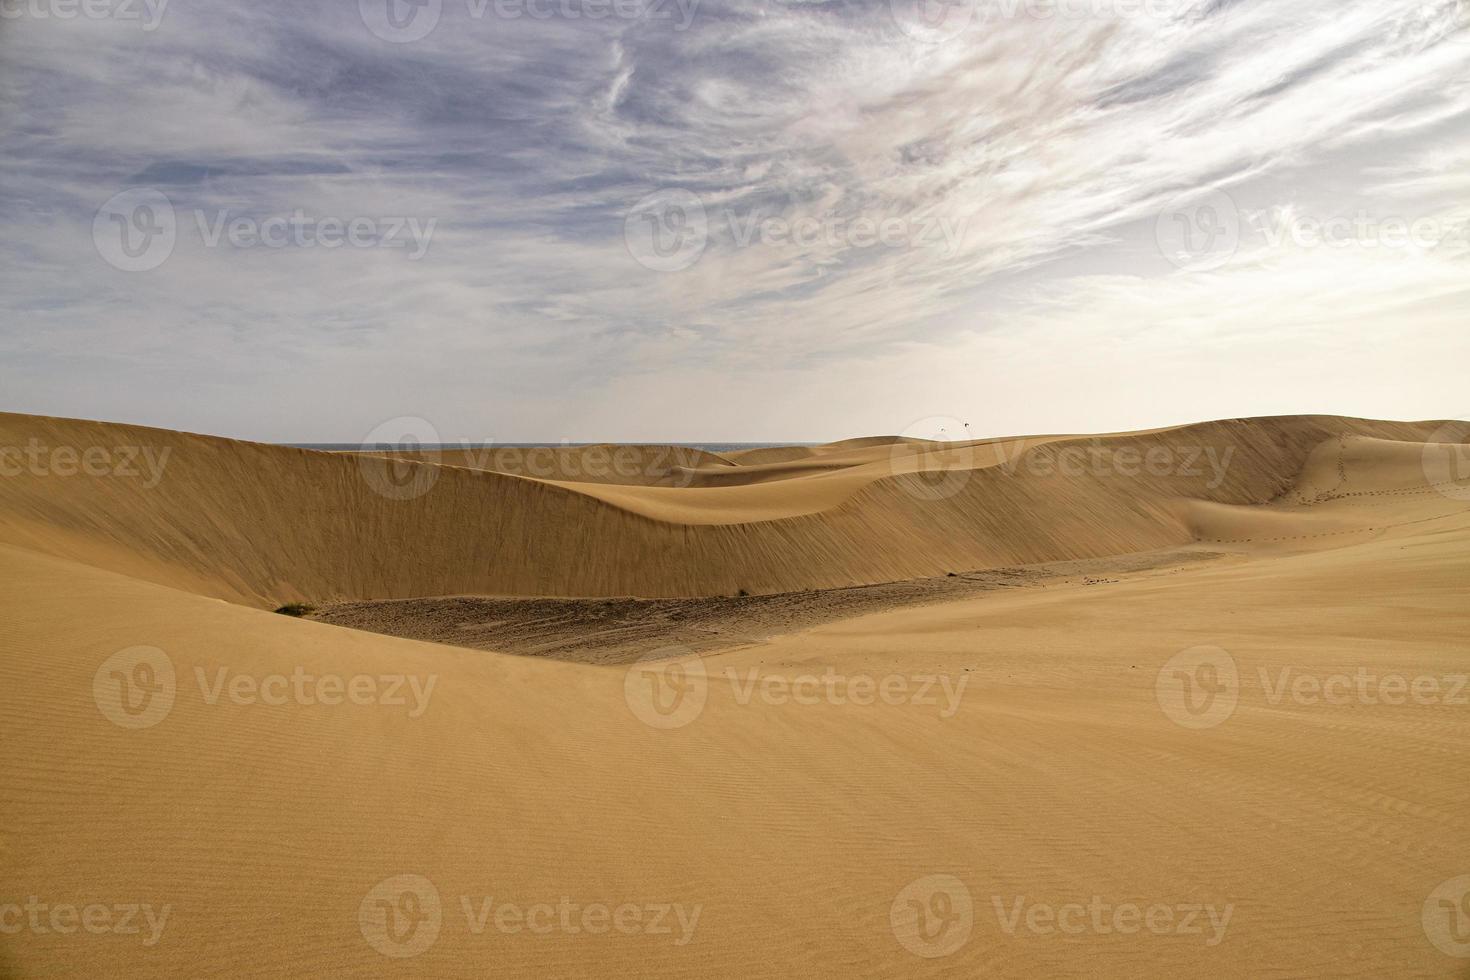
(265, 525)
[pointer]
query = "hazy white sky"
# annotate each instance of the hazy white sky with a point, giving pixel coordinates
(735, 220)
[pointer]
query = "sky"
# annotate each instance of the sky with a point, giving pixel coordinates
(731, 220)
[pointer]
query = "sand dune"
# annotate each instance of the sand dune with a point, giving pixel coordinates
(267, 525)
(1052, 803)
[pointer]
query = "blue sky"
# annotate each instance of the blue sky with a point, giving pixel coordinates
(695, 220)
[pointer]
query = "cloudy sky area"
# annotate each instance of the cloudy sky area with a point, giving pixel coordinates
(716, 220)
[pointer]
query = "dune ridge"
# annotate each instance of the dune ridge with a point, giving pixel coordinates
(264, 525)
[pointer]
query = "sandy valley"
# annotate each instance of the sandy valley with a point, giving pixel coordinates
(1182, 702)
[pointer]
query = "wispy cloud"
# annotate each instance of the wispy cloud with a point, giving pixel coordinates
(869, 186)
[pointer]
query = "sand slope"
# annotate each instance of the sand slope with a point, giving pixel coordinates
(799, 831)
(265, 525)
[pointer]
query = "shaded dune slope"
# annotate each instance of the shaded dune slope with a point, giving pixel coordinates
(264, 525)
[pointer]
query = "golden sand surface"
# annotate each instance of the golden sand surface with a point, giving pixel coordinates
(1200, 711)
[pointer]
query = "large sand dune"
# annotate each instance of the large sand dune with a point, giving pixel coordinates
(266, 525)
(1056, 800)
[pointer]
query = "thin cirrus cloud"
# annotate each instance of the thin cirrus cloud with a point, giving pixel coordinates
(1024, 159)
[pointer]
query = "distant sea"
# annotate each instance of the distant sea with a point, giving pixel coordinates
(709, 447)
